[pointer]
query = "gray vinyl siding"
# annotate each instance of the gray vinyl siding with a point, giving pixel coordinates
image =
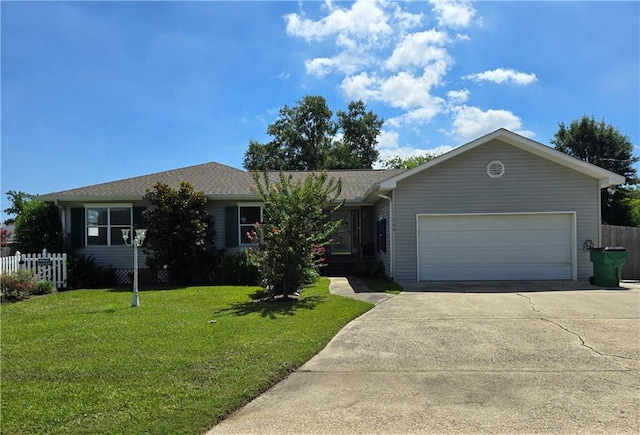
(381, 211)
(121, 257)
(461, 185)
(216, 209)
(117, 257)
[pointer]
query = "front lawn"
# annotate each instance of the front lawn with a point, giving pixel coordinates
(83, 361)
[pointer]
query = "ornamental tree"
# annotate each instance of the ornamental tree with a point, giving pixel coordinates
(181, 234)
(294, 230)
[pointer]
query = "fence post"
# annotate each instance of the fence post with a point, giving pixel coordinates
(44, 269)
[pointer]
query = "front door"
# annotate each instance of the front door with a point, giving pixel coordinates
(343, 235)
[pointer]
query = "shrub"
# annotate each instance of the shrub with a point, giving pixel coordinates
(181, 236)
(44, 287)
(17, 286)
(83, 272)
(239, 269)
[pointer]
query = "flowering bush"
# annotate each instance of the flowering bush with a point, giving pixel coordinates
(21, 285)
(4, 237)
(291, 239)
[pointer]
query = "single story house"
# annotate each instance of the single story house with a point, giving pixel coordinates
(502, 207)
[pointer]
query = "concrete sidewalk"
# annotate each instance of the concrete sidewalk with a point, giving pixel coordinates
(556, 361)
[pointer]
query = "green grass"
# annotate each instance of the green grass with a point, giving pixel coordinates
(383, 285)
(83, 361)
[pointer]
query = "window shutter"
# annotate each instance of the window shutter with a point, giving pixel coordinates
(231, 227)
(138, 219)
(77, 227)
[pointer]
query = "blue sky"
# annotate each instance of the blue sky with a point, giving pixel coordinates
(100, 91)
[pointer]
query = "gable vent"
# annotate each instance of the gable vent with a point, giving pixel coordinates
(495, 169)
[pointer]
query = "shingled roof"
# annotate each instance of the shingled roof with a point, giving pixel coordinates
(217, 181)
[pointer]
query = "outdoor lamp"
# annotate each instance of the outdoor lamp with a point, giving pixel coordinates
(136, 243)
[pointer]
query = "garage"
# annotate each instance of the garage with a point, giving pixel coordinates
(480, 247)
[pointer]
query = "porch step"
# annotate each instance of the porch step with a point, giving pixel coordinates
(339, 269)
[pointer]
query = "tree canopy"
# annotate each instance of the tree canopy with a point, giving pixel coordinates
(38, 227)
(398, 162)
(604, 145)
(17, 199)
(307, 137)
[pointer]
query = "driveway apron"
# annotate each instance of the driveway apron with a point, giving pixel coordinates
(555, 361)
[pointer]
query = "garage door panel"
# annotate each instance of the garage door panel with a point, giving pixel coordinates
(494, 247)
(513, 255)
(496, 238)
(505, 272)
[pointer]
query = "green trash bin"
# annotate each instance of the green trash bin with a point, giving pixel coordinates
(607, 265)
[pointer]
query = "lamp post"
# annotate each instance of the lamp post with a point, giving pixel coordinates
(136, 243)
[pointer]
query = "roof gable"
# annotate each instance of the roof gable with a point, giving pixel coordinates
(605, 178)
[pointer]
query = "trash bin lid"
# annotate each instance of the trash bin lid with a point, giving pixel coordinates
(615, 248)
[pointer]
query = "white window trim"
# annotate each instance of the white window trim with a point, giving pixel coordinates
(108, 206)
(240, 224)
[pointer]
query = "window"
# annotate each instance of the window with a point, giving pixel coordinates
(248, 216)
(104, 225)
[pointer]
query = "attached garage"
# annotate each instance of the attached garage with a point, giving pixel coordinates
(513, 246)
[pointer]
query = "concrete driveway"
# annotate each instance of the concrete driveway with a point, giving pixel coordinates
(465, 359)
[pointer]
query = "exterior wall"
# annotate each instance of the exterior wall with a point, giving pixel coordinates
(216, 209)
(121, 257)
(382, 211)
(117, 257)
(461, 185)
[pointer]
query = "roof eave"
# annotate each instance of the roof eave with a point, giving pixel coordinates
(90, 198)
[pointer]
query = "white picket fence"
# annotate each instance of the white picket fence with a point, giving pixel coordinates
(52, 267)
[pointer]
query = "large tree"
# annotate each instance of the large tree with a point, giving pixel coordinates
(604, 145)
(180, 235)
(38, 227)
(17, 199)
(357, 148)
(307, 137)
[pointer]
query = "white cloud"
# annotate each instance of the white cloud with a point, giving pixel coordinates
(471, 122)
(501, 75)
(404, 21)
(360, 87)
(388, 147)
(364, 19)
(421, 115)
(458, 97)
(388, 139)
(419, 49)
(388, 55)
(405, 91)
(453, 13)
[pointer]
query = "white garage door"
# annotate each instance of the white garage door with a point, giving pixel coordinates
(495, 247)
